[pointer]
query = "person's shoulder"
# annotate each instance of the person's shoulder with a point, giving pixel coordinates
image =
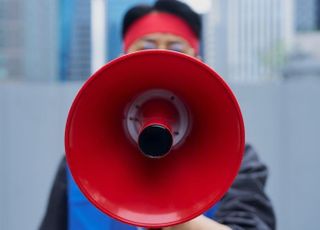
(63, 163)
(251, 162)
(250, 153)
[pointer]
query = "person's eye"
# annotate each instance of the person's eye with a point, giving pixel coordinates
(176, 46)
(148, 45)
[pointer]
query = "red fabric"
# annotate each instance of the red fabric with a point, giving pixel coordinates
(159, 22)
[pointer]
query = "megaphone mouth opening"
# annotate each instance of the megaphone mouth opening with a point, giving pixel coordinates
(155, 141)
(157, 116)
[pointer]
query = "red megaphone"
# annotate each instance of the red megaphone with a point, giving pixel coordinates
(154, 138)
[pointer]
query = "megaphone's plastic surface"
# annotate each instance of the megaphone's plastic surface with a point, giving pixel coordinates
(117, 178)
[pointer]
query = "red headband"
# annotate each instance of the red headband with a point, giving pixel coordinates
(160, 22)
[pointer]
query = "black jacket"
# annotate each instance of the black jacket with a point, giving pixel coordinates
(244, 207)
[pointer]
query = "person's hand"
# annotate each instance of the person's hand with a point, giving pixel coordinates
(199, 223)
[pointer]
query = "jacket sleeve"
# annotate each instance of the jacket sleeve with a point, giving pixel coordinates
(56, 216)
(246, 206)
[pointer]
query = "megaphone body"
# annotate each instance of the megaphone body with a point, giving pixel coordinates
(154, 138)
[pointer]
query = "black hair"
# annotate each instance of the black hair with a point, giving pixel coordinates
(177, 8)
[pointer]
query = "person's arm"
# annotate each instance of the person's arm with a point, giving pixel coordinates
(246, 205)
(56, 216)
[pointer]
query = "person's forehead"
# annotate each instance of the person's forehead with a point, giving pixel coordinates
(162, 36)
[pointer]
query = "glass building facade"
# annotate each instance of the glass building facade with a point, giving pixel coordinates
(28, 40)
(307, 15)
(246, 40)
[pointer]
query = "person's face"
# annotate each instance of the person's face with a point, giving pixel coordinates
(165, 41)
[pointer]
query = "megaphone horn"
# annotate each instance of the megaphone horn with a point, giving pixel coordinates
(154, 138)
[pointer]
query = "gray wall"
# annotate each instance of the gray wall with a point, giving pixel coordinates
(282, 122)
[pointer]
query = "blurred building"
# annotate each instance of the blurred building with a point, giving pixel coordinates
(11, 47)
(247, 40)
(304, 60)
(28, 40)
(307, 15)
(44, 40)
(75, 39)
(75, 35)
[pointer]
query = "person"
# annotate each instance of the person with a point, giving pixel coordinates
(173, 25)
